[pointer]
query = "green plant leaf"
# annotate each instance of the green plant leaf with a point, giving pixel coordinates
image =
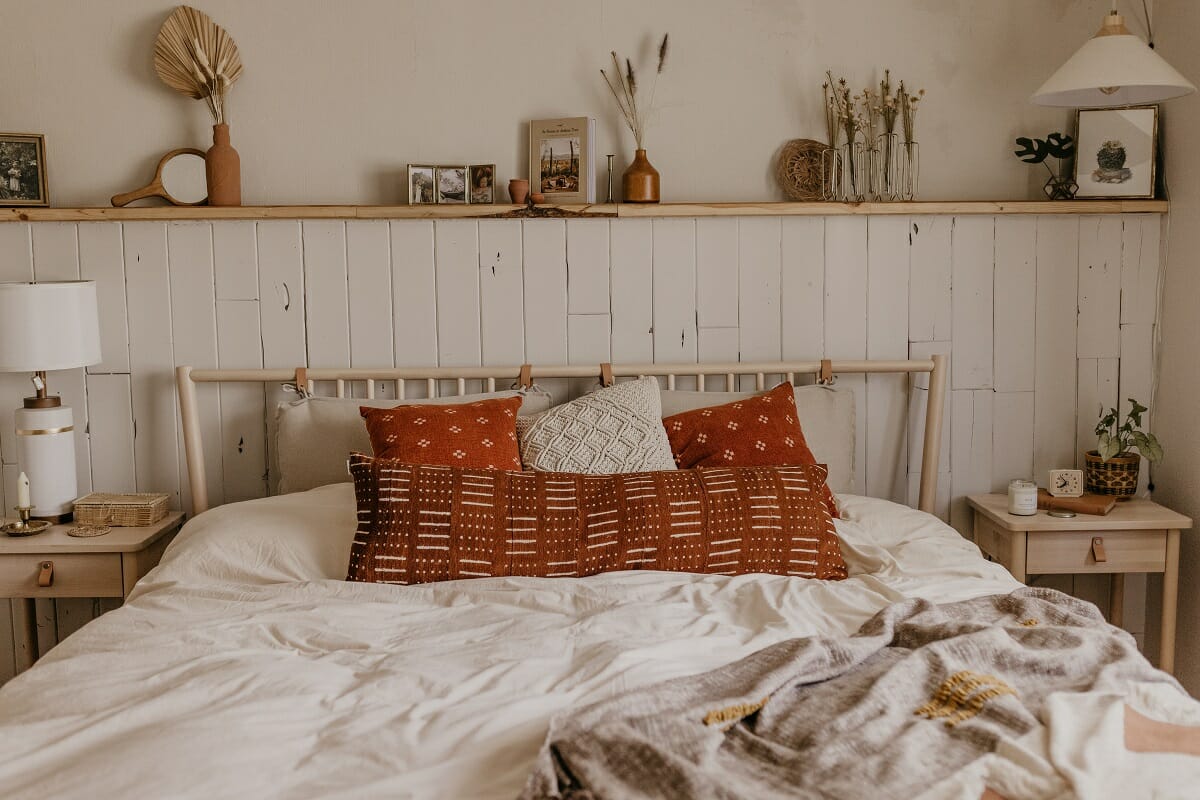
(1060, 145)
(1110, 448)
(1152, 450)
(1033, 151)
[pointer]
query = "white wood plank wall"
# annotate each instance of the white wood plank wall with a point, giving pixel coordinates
(1045, 319)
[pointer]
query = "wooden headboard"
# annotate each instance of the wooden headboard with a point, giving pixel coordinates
(186, 379)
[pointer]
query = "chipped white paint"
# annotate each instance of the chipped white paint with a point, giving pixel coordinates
(999, 294)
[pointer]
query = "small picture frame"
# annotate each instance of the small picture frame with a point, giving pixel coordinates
(1116, 152)
(23, 170)
(483, 183)
(422, 186)
(451, 184)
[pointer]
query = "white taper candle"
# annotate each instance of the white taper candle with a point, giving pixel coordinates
(23, 490)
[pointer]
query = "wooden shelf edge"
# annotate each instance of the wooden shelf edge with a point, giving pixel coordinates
(623, 210)
(988, 207)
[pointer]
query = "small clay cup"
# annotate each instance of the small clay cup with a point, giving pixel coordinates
(518, 190)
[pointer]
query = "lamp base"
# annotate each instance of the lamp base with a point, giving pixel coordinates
(46, 453)
(52, 401)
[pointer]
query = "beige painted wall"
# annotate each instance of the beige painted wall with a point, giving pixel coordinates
(1176, 421)
(338, 96)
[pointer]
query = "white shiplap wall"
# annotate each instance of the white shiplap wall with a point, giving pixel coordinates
(1045, 318)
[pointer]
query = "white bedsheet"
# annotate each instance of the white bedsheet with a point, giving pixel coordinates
(244, 666)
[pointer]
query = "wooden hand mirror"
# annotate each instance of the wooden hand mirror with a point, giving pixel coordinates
(179, 179)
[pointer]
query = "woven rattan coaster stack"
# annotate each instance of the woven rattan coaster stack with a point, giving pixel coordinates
(87, 531)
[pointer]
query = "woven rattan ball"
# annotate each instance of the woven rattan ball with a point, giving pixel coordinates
(799, 169)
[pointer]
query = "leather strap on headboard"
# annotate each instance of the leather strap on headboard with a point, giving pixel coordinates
(606, 374)
(525, 381)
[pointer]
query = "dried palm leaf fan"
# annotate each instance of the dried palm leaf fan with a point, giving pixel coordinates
(197, 57)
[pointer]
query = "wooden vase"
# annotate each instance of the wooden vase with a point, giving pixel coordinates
(223, 169)
(639, 183)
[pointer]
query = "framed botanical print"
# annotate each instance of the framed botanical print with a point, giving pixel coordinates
(1116, 152)
(23, 170)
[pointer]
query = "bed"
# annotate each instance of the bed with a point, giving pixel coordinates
(245, 665)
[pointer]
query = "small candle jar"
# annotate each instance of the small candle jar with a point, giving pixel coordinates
(1022, 497)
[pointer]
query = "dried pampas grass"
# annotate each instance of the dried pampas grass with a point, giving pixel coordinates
(197, 57)
(624, 87)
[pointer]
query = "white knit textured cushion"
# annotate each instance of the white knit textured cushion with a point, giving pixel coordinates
(614, 429)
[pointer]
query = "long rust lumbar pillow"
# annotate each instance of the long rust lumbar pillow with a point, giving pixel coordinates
(425, 523)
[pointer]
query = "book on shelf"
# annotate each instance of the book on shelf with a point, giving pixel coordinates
(562, 159)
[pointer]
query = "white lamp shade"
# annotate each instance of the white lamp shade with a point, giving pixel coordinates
(1113, 70)
(45, 326)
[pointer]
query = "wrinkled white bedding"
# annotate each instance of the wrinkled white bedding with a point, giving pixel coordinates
(244, 666)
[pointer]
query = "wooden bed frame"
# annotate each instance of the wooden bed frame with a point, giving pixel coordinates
(823, 370)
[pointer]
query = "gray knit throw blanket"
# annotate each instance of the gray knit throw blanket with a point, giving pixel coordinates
(921, 691)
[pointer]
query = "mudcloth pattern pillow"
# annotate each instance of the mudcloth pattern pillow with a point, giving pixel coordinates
(758, 431)
(421, 523)
(481, 434)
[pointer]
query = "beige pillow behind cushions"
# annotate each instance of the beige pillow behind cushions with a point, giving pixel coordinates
(614, 429)
(312, 437)
(826, 415)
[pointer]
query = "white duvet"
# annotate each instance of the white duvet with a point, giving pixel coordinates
(244, 666)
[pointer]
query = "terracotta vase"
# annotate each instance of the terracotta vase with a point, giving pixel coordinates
(518, 190)
(639, 183)
(223, 168)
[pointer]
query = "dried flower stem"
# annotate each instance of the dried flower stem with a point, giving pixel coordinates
(624, 87)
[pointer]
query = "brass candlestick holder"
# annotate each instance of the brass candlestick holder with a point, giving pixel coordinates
(24, 526)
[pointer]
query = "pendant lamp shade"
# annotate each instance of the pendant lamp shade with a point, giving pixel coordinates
(1114, 68)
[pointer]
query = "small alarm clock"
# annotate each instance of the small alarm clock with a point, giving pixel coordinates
(1066, 483)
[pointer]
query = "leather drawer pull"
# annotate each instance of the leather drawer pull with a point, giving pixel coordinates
(46, 576)
(1098, 549)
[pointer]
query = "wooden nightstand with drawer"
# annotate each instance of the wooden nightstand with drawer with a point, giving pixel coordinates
(53, 564)
(1136, 536)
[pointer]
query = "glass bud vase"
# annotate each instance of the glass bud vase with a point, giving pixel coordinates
(831, 178)
(910, 169)
(855, 169)
(887, 177)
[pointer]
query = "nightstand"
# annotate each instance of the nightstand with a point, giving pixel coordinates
(100, 566)
(1136, 536)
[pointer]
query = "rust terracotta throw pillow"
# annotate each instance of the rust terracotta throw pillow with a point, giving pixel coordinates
(422, 523)
(480, 434)
(758, 431)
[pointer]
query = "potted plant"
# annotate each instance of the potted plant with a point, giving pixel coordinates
(1112, 468)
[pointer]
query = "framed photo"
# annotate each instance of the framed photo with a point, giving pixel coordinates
(1116, 152)
(23, 170)
(483, 183)
(421, 186)
(451, 184)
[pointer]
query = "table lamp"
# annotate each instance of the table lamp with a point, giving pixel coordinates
(1113, 68)
(48, 326)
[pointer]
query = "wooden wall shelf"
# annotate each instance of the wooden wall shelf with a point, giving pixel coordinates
(624, 210)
